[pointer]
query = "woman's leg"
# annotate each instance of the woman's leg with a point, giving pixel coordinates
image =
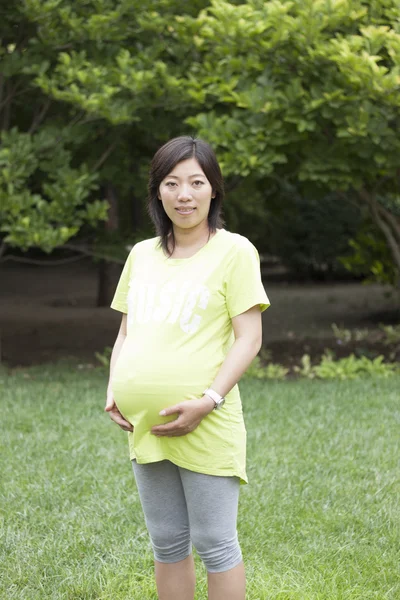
(228, 585)
(176, 581)
(212, 504)
(164, 506)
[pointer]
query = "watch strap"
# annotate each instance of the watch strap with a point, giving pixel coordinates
(218, 399)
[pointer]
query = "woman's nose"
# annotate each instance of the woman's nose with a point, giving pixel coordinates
(184, 193)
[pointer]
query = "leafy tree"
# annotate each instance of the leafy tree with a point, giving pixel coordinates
(307, 91)
(44, 193)
(88, 91)
(86, 94)
(302, 90)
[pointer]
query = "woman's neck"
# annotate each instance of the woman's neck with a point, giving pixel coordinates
(191, 238)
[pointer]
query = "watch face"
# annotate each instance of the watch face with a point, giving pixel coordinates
(220, 404)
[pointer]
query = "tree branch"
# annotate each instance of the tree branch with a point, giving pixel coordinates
(390, 219)
(39, 118)
(12, 93)
(58, 139)
(384, 227)
(104, 156)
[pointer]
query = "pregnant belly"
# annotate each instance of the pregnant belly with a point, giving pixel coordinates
(141, 404)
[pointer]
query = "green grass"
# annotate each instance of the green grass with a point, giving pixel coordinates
(319, 520)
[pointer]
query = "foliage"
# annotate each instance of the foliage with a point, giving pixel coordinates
(344, 335)
(305, 91)
(298, 91)
(370, 256)
(247, 210)
(305, 80)
(387, 334)
(352, 367)
(349, 367)
(104, 357)
(270, 371)
(43, 198)
(305, 369)
(309, 233)
(391, 334)
(72, 74)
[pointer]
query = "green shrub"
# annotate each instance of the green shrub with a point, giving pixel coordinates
(370, 256)
(306, 369)
(104, 357)
(348, 335)
(349, 367)
(270, 371)
(391, 334)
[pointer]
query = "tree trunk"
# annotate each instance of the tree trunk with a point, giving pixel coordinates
(388, 223)
(109, 272)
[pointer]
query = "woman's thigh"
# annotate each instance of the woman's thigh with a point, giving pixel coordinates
(212, 504)
(164, 506)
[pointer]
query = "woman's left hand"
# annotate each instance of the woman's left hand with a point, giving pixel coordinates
(190, 414)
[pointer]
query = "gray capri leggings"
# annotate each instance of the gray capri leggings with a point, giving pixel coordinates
(181, 507)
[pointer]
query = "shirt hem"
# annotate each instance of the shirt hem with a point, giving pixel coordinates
(119, 308)
(263, 306)
(185, 465)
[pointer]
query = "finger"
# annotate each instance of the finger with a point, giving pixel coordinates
(174, 433)
(119, 420)
(167, 428)
(125, 428)
(171, 410)
(110, 403)
(130, 428)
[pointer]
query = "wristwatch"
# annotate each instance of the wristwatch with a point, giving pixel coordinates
(219, 400)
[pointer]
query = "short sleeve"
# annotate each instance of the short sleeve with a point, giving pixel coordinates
(243, 286)
(120, 300)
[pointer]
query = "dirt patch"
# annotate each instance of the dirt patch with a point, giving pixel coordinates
(49, 313)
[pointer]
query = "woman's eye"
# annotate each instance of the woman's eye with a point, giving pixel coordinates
(199, 182)
(170, 183)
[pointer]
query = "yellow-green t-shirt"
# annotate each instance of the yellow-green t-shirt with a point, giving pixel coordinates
(179, 331)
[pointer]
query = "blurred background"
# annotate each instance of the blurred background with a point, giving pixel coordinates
(300, 101)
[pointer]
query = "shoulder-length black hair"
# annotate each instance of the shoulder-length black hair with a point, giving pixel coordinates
(164, 161)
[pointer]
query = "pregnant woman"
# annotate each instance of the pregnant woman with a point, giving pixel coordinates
(191, 302)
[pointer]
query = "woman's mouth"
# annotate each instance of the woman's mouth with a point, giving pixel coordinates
(185, 211)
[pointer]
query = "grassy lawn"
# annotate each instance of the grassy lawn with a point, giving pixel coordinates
(319, 520)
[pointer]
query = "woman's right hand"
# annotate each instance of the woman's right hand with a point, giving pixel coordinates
(115, 415)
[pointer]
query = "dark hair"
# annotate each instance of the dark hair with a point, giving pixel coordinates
(164, 161)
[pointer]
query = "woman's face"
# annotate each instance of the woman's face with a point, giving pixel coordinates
(186, 195)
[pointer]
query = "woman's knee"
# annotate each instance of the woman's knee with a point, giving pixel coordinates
(170, 546)
(218, 553)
